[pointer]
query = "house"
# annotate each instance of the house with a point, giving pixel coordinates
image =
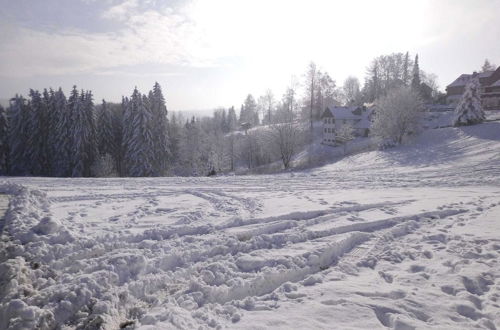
(490, 88)
(334, 117)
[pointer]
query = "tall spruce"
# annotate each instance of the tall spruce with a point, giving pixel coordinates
(4, 142)
(35, 144)
(78, 132)
(48, 104)
(105, 132)
(18, 132)
(406, 69)
(415, 81)
(61, 140)
(91, 144)
(138, 137)
(159, 129)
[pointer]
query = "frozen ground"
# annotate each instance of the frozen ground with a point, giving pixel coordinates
(405, 238)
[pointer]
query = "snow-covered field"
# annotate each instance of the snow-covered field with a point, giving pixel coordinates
(404, 238)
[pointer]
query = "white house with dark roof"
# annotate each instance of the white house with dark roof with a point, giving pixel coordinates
(334, 117)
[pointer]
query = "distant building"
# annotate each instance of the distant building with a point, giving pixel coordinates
(334, 117)
(490, 89)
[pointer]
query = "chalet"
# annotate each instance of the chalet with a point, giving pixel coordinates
(490, 88)
(334, 117)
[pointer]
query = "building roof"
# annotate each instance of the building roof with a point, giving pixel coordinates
(343, 112)
(464, 78)
(359, 116)
(495, 84)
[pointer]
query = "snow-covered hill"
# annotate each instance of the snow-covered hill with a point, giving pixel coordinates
(404, 238)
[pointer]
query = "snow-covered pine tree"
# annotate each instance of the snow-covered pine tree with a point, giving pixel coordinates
(17, 118)
(415, 81)
(174, 131)
(60, 140)
(35, 134)
(138, 138)
(160, 129)
(78, 132)
(127, 135)
(91, 144)
(48, 104)
(4, 143)
(118, 115)
(469, 110)
(105, 131)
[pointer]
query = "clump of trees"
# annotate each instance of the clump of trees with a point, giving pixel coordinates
(51, 135)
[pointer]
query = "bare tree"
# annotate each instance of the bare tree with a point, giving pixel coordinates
(397, 114)
(351, 90)
(311, 82)
(266, 106)
(285, 139)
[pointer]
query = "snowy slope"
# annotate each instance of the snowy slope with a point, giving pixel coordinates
(405, 238)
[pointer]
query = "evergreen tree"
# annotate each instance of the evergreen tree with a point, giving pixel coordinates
(160, 129)
(487, 66)
(18, 132)
(48, 104)
(4, 142)
(469, 110)
(415, 82)
(78, 133)
(91, 143)
(118, 122)
(174, 129)
(232, 120)
(35, 143)
(60, 141)
(139, 144)
(406, 69)
(105, 133)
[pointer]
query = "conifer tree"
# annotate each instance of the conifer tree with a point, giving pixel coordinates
(48, 106)
(415, 82)
(406, 69)
(91, 146)
(160, 129)
(60, 140)
(4, 143)
(35, 143)
(138, 138)
(78, 133)
(469, 110)
(18, 131)
(105, 131)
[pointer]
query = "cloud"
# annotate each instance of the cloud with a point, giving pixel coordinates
(274, 36)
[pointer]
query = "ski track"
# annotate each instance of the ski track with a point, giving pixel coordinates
(390, 242)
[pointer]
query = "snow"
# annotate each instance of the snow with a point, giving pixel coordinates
(403, 238)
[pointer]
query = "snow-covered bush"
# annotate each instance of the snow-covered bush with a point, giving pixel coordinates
(469, 110)
(397, 115)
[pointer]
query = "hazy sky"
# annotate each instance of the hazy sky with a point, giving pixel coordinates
(214, 52)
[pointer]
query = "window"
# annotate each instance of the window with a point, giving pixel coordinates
(326, 130)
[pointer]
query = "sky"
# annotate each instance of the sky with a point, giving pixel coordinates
(212, 53)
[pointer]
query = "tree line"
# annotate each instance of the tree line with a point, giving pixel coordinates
(48, 134)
